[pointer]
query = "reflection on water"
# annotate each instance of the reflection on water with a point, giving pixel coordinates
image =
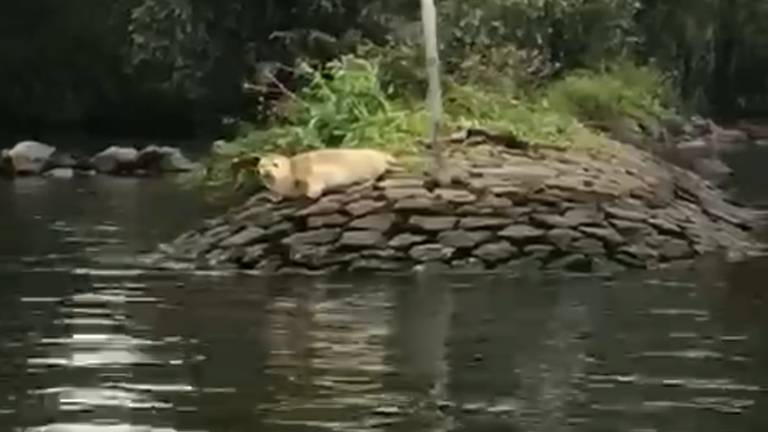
(186, 352)
(90, 345)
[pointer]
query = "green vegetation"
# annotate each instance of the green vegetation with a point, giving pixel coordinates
(180, 64)
(624, 91)
(301, 74)
(376, 101)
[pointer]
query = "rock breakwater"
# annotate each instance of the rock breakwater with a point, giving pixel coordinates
(552, 210)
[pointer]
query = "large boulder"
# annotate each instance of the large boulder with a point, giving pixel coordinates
(28, 157)
(158, 159)
(713, 169)
(115, 160)
(694, 149)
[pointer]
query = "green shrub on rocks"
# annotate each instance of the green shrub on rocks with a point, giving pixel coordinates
(376, 101)
(621, 91)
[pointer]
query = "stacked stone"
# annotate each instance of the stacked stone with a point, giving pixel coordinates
(494, 221)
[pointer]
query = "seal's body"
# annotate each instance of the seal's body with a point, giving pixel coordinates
(314, 172)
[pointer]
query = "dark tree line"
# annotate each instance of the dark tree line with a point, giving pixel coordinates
(179, 65)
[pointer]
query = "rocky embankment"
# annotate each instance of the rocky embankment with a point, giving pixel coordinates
(32, 158)
(570, 211)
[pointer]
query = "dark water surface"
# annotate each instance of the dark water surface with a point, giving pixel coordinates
(87, 344)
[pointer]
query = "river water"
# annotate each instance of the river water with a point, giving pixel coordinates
(89, 343)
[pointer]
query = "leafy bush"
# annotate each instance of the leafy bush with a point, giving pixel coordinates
(622, 91)
(529, 119)
(342, 105)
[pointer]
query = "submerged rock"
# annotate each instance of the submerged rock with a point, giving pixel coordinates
(60, 173)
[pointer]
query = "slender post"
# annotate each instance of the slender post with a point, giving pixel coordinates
(434, 98)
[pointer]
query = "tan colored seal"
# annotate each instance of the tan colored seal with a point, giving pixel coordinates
(314, 172)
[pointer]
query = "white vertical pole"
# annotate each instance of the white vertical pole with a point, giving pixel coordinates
(434, 98)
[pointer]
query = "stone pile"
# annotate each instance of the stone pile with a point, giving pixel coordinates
(32, 158)
(561, 211)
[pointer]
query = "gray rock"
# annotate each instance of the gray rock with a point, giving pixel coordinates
(382, 253)
(496, 252)
(521, 173)
(675, 249)
(268, 263)
(630, 215)
(630, 230)
(583, 216)
(60, 173)
(317, 256)
(476, 222)
(431, 252)
(631, 261)
(456, 196)
(330, 220)
(61, 159)
(470, 265)
(366, 238)
(538, 251)
(665, 226)
(224, 258)
(258, 215)
(406, 240)
(729, 139)
(589, 246)
(115, 160)
(522, 233)
(489, 204)
(640, 252)
(253, 254)
(162, 159)
(399, 194)
(432, 267)
(607, 235)
(318, 236)
(325, 205)
(29, 157)
(496, 202)
(419, 204)
(377, 264)
(694, 149)
(574, 262)
(523, 265)
(605, 266)
(462, 238)
(553, 221)
(363, 207)
(713, 169)
(563, 237)
(215, 235)
(244, 237)
(377, 222)
(279, 230)
(433, 223)
(402, 183)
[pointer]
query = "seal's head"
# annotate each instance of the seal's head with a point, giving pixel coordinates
(273, 167)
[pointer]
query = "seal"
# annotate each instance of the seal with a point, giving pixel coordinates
(314, 172)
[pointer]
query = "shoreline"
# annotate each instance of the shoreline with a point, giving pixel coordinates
(569, 211)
